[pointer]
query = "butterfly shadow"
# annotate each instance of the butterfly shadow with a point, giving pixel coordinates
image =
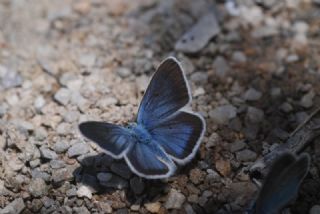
(106, 175)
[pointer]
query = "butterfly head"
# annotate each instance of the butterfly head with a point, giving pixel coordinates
(140, 133)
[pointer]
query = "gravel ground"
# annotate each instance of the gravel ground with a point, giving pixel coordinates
(63, 62)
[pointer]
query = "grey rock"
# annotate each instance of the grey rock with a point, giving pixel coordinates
(237, 146)
(105, 207)
(199, 35)
(84, 191)
(81, 210)
(34, 163)
(123, 72)
(63, 96)
(223, 114)
(47, 153)
(264, 32)
(188, 209)
(252, 94)
(307, 99)
(78, 149)
(221, 66)
(239, 57)
(286, 107)
(246, 155)
(15, 164)
(38, 187)
(47, 202)
(87, 60)
(61, 146)
(199, 77)
(175, 200)
(315, 209)
(104, 177)
(63, 174)
(15, 207)
(137, 185)
(57, 164)
(121, 169)
(11, 79)
(254, 115)
(39, 102)
(36, 173)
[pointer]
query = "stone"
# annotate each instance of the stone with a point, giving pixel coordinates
(84, 191)
(47, 153)
(153, 207)
(254, 115)
(239, 57)
(11, 79)
(80, 210)
(63, 96)
(286, 107)
(199, 77)
(63, 174)
(315, 209)
(197, 176)
(38, 187)
(111, 180)
(246, 155)
(14, 207)
(123, 72)
(121, 169)
(15, 164)
(175, 200)
(237, 146)
(78, 149)
(221, 66)
(61, 146)
(57, 164)
(105, 207)
(87, 60)
(199, 35)
(252, 95)
(137, 185)
(307, 99)
(222, 114)
(223, 166)
(39, 102)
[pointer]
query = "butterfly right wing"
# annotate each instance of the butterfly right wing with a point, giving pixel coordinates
(282, 183)
(112, 139)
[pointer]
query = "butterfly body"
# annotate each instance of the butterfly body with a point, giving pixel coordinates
(162, 134)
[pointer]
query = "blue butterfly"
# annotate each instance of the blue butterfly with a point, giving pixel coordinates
(163, 133)
(281, 184)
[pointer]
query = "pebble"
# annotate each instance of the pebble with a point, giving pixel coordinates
(237, 146)
(123, 72)
(63, 96)
(197, 176)
(63, 174)
(78, 149)
(39, 103)
(38, 187)
(137, 185)
(199, 77)
(11, 79)
(246, 155)
(14, 207)
(113, 181)
(199, 35)
(223, 166)
(57, 164)
(61, 146)
(84, 191)
(221, 66)
(252, 94)
(47, 153)
(286, 107)
(239, 57)
(254, 115)
(153, 207)
(307, 99)
(222, 114)
(175, 200)
(15, 164)
(315, 209)
(80, 210)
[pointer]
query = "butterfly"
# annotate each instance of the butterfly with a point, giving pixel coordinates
(281, 184)
(163, 134)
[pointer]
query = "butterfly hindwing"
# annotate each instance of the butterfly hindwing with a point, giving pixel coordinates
(149, 161)
(282, 183)
(180, 135)
(167, 93)
(113, 139)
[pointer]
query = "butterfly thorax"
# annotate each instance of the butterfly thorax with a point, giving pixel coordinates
(140, 133)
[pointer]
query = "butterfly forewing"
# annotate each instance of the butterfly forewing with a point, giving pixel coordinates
(113, 139)
(167, 93)
(282, 183)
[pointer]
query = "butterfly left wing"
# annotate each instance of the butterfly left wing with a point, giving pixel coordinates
(167, 92)
(180, 135)
(113, 139)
